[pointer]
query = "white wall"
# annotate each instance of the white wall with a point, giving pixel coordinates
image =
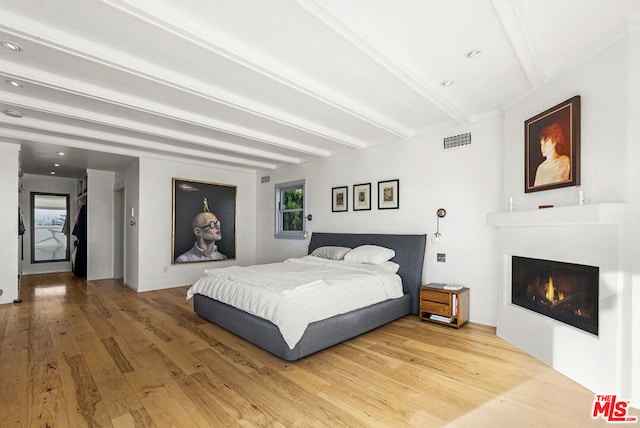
(129, 178)
(633, 192)
(118, 231)
(154, 222)
(604, 101)
(100, 188)
(9, 221)
(609, 156)
(463, 180)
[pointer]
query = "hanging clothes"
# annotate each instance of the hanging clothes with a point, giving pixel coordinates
(21, 228)
(79, 261)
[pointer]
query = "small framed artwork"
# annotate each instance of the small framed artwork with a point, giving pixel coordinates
(552, 147)
(339, 199)
(388, 194)
(362, 197)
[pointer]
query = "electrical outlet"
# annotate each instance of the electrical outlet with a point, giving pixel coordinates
(442, 257)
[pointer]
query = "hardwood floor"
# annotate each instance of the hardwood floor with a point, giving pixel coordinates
(78, 353)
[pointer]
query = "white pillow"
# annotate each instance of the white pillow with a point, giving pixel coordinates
(371, 254)
(332, 253)
(390, 266)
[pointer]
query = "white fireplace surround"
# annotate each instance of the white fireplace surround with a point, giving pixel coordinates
(593, 234)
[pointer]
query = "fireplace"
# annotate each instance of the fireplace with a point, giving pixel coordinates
(566, 292)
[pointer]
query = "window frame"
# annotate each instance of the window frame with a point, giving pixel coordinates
(280, 189)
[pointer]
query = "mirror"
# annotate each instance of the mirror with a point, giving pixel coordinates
(49, 227)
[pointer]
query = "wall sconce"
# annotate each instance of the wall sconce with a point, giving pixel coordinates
(439, 214)
(306, 233)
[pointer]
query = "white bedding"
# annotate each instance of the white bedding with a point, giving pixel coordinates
(297, 292)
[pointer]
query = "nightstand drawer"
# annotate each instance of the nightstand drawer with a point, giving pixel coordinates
(435, 296)
(453, 305)
(435, 308)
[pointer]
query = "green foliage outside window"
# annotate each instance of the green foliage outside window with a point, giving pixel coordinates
(292, 209)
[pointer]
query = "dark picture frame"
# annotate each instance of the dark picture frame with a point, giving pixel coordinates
(362, 197)
(389, 194)
(191, 198)
(339, 199)
(556, 163)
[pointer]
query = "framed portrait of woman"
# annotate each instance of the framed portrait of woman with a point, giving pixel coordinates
(552, 147)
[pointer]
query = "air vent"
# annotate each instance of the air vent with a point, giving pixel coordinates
(265, 179)
(457, 140)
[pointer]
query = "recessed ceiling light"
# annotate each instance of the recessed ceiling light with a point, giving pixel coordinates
(446, 83)
(53, 173)
(56, 164)
(12, 46)
(14, 83)
(473, 54)
(13, 113)
(61, 153)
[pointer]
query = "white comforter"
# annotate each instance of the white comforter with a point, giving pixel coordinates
(297, 292)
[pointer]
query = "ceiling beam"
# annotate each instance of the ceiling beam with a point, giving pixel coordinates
(61, 83)
(510, 14)
(164, 19)
(135, 126)
(163, 151)
(81, 48)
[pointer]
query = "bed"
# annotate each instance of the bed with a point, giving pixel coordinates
(409, 254)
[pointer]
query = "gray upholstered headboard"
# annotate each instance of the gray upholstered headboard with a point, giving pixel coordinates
(409, 254)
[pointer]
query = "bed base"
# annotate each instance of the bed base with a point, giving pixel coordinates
(323, 334)
(318, 335)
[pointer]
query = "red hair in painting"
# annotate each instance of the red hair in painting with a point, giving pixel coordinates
(556, 135)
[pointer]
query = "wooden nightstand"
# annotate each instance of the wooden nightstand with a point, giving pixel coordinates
(448, 307)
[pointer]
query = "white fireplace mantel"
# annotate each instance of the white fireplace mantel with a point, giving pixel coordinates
(573, 215)
(592, 235)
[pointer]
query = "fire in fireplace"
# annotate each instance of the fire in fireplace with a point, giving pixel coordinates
(566, 292)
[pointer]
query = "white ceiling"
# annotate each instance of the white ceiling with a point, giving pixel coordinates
(259, 84)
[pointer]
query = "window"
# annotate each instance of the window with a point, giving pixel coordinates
(290, 218)
(49, 227)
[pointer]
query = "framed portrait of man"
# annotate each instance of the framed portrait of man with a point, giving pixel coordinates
(552, 147)
(204, 221)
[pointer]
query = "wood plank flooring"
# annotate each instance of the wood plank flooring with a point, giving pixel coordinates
(97, 354)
